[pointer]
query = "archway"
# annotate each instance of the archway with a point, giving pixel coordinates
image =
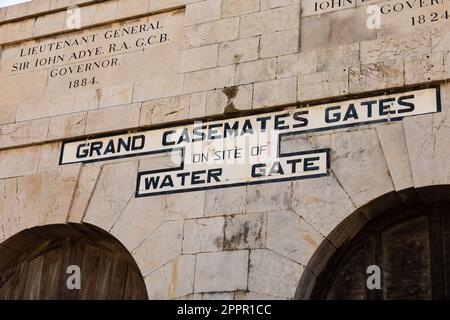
(34, 262)
(410, 242)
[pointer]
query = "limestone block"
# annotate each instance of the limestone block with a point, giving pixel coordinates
(87, 180)
(376, 76)
(127, 8)
(232, 8)
(273, 274)
(160, 247)
(267, 197)
(275, 93)
(335, 29)
(247, 231)
(295, 64)
(199, 58)
(116, 95)
(393, 143)
(32, 110)
(412, 44)
(440, 39)
(49, 156)
(26, 8)
(429, 67)
(113, 191)
(164, 110)
(323, 203)
(49, 23)
(15, 162)
(225, 201)
(24, 132)
(291, 236)
(139, 219)
(280, 43)
(211, 32)
(221, 271)
(19, 30)
(72, 102)
(177, 209)
(115, 118)
(255, 71)
(323, 84)
(360, 166)
(278, 19)
(239, 51)
(229, 100)
(203, 235)
(203, 11)
(100, 12)
(173, 280)
(339, 57)
(427, 142)
(159, 87)
(31, 189)
(8, 113)
(67, 126)
(209, 79)
(197, 107)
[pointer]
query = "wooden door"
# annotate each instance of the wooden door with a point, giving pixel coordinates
(411, 245)
(40, 272)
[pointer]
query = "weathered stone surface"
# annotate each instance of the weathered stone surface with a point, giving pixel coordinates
(87, 180)
(279, 43)
(261, 70)
(164, 110)
(273, 274)
(275, 92)
(413, 44)
(291, 236)
(225, 202)
(221, 271)
(203, 235)
(17, 162)
(386, 74)
(112, 193)
(267, 197)
(139, 219)
(322, 202)
(210, 296)
(295, 64)
(203, 11)
(173, 280)
(425, 68)
(231, 8)
(239, 51)
(370, 178)
(338, 57)
(246, 231)
(270, 21)
(113, 118)
(335, 29)
(176, 208)
(229, 100)
(393, 143)
(160, 247)
(323, 84)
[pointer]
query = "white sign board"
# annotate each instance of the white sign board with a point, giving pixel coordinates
(246, 150)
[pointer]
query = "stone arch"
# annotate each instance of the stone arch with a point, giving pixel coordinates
(347, 229)
(34, 262)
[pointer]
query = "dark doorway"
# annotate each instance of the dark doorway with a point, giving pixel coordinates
(411, 245)
(33, 265)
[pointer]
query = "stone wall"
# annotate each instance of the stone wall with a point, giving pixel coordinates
(247, 242)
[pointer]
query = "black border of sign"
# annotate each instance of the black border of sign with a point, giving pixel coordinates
(438, 109)
(436, 86)
(239, 184)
